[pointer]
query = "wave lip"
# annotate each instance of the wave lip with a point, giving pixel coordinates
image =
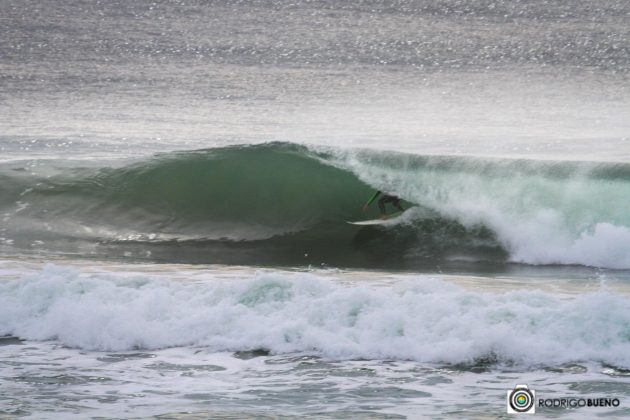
(424, 319)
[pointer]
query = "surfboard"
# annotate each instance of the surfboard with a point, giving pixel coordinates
(370, 222)
(389, 219)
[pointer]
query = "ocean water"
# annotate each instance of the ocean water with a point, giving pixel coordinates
(176, 178)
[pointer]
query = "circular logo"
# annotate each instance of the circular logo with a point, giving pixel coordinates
(521, 400)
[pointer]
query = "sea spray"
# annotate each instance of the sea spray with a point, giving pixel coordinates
(540, 212)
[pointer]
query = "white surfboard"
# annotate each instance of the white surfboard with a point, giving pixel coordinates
(369, 222)
(390, 219)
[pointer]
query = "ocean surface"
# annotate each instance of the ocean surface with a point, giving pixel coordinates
(176, 179)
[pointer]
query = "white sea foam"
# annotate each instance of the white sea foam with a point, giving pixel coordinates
(538, 217)
(419, 319)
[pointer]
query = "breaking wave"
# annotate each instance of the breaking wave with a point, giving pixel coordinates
(281, 203)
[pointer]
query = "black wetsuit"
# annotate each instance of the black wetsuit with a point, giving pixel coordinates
(387, 198)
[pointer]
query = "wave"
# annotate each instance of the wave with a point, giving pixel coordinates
(281, 203)
(421, 319)
(541, 212)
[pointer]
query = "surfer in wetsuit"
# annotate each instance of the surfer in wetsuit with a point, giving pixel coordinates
(386, 198)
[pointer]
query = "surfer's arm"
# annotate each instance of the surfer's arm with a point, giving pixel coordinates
(371, 200)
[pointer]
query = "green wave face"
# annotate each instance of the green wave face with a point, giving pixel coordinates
(280, 203)
(239, 193)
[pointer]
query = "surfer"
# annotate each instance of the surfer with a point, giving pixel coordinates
(386, 198)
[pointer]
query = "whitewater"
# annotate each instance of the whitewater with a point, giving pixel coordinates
(176, 179)
(228, 338)
(424, 319)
